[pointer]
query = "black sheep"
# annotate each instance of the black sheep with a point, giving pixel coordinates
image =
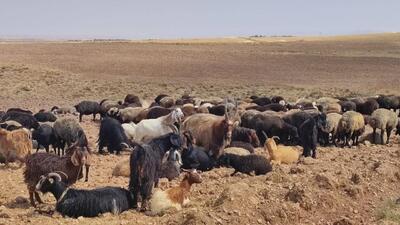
(309, 137)
(247, 135)
(112, 135)
(246, 163)
(262, 101)
(389, 102)
(19, 110)
(145, 165)
(276, 107)
(159, 97)
(157, 111)
(45, 116)
(2, 113)
(25, 119)
(194, 157)
(45, 137)
(87, 108)
(87, 203)
(277, 99)
(348, 106)
(240, 144)
(367, 107)
(218, 110)
(132, 101)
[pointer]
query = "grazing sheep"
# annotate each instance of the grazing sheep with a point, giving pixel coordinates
(276, 107)
(350, 126)
(262, 101)
(348, 106)
(45, 137)
(112, 135)
(122, 169)
(43, 116)
(87, 108)
(128, 114)
(106, 105)
(332, 123)
(20, 110)
(15, 145)
(70, 165)
(194, 157)
(152, 128)
(385, 120)
(240, 144)
(366, 107)
(87, 203)
(25, 119)
(246, 163)
(68, 131)
(174, 197)
(247, 135)
(145, 163)
(236, 151)
(63, 110)
(157, 112)
(132, 101)
(332, 107)
(219, 110)
(280, 153)
(389, 102)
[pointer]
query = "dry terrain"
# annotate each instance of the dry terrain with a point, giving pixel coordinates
(342, 186)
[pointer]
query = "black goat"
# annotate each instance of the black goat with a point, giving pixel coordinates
(194, 157)
(45, 137)
(87, 203)
(157, 111)
(276, 107)
(19, 110)
(43, 116)
(247, 135)
(25, 119)
(145, 164)
(309, 137)
(246, 163)
(112, 135)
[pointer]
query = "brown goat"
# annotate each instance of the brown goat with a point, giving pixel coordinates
(15, 145)
(212, 132)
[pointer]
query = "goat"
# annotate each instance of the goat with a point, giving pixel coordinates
(15, 145)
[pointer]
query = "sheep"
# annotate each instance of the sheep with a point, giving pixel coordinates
(25, 119)
(148, 129)
(185, 99)
(129, 114)
(87, 203)
(42, 163)
(20, 110)
(332, 107)
(236, 151)
(106, 105)
(157, 111)
(145, 164)
(385, 120)
(389, 102)
(246, 163)
(167, 102)
(43, 116)
(276, 107)
(189, 109)
(11, 125)
(15, 145)
(278, 99)
(63, 110)
(159, 97)
(194, 157)
(45, 137)
(112, 135)
(68, 131)
(348, 106)
(244, 134)
(280, 153)
(87, 108)
(171, 164)
(273, 126)
(262, 101)
(308, 133)
(240, 144)
(132, 101)
(122, 169)
(332, 122)
(366, 107)
(350, 126)
(212, 132)
(174, 197)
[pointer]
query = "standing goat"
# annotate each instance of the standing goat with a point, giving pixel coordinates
(148, 129)
(212, 132)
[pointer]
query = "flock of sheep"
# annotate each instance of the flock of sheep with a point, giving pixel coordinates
(178, 135)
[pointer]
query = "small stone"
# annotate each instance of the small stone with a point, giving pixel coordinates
(21, 200)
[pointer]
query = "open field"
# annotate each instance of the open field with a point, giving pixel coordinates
(342, 186)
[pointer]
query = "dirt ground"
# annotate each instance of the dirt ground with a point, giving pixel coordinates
(342, 186)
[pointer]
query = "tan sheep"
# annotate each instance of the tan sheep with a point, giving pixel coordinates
(350, 126)
(280, 153)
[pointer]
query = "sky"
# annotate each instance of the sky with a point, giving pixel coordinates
(170, 19)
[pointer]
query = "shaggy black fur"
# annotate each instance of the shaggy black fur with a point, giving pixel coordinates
(45, 137)
(246, 163)
(157, 111)
(87, 108)
(45, 117)
(240, 144)
(111, 135)
(262, 101)
(309, 137)
(25, 119)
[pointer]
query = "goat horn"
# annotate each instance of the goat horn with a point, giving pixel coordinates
(55, 176)
(61, 172)
(276, 137)
(265, 135)
(124, 145)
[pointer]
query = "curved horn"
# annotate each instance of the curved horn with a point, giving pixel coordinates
(265, 135)
(56, 176)
(123, 144)
(174, 129)
(61, 172)
(276, 137)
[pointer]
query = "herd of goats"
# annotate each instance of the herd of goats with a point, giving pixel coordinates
(178, 135)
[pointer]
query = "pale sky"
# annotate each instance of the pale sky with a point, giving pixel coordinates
(131, 19)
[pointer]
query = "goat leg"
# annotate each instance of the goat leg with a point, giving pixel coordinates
(31, 198)
(87, 173)
(37, 197)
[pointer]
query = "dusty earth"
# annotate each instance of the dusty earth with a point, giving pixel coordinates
(342, 186)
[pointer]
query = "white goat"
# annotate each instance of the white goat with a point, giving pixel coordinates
(148, 129)
(130, 130)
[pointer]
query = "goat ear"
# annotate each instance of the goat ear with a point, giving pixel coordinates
(75, 159)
